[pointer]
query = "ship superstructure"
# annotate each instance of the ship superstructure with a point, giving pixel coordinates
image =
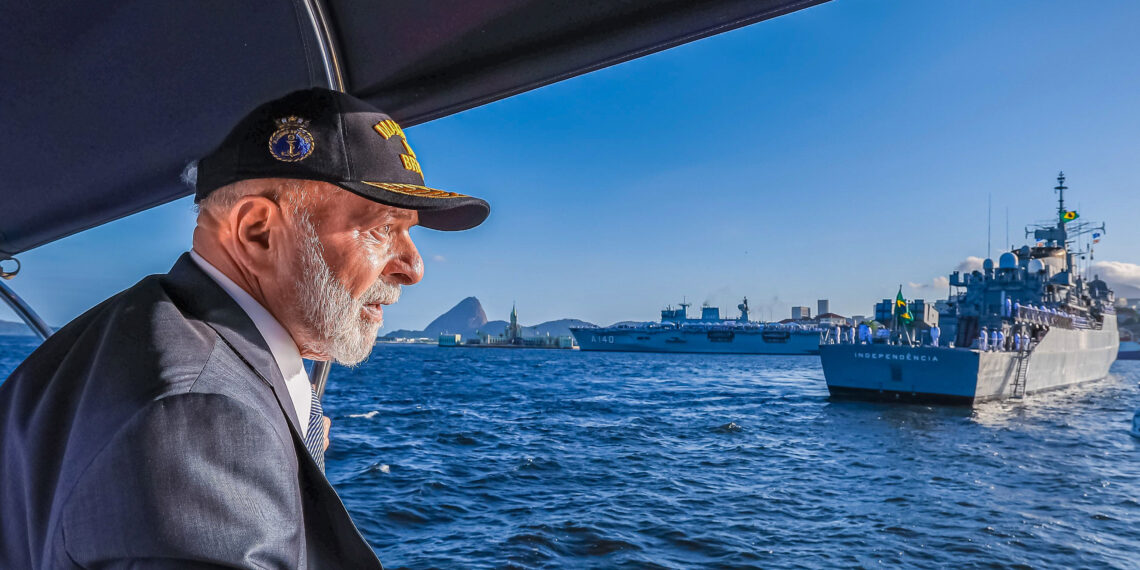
(710, 333)
(1028, 324)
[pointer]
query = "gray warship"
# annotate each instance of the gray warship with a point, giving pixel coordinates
(709, 334)
(1030, 324)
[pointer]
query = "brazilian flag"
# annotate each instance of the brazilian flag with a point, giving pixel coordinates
(901, 310)
(1069, 216)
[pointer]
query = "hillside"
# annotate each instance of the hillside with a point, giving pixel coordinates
(468, 319)
(9, 328)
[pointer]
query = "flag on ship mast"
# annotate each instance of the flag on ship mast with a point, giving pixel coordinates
(1069, 216)
(901, 310)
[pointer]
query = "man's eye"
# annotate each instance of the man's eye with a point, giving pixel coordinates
(382, 232)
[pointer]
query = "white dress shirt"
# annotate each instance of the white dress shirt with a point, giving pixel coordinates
(280, 343)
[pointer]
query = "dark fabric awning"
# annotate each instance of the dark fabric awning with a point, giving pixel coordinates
(103, 104)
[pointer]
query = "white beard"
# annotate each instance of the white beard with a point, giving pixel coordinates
(333, 317)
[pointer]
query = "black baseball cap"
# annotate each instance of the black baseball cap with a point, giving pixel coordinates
(319, 134)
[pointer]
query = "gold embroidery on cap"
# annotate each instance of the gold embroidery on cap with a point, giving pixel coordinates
(413, 190)
(292, 141)
(388, 129)
(410, 163)
(408, 147)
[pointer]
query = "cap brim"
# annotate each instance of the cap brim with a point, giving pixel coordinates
(438, 209)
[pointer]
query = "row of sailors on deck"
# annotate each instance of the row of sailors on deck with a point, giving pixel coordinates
(844, 335)
(863, 334)
(1014, 308)
(997, 341)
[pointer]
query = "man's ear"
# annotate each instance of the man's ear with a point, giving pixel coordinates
(258, 228)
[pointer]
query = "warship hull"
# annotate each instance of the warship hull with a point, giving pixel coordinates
(1065, 357)
(699, 341)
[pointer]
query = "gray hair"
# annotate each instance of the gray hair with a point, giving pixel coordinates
(292, 193)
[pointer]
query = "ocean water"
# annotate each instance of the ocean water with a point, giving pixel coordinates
(490, 458)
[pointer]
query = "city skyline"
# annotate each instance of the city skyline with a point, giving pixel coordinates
(833, 153)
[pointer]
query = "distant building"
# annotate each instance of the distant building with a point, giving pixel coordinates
(925, 314)
(801, 313)
(513, 335)
(884, 311)
(822, 307)
(831, 320)
(514, 329)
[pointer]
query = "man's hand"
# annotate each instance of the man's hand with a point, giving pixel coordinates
(327, 423)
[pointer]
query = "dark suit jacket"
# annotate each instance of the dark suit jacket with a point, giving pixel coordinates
(156, 431)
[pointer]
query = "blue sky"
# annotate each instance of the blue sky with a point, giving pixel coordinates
(832, 153)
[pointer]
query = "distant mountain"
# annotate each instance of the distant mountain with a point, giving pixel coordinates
(493, 327)
(468, 315)
(632, 323)
(1128, 319)
(470, 320)
(560, 327)
(9, 328)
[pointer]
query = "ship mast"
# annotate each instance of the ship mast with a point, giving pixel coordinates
(1060, 190)
(1064, 238)
(1056, 234)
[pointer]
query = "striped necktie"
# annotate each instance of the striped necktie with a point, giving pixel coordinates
(315, 435)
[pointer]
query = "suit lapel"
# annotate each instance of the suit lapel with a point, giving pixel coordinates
(334, 541)
(198, 294)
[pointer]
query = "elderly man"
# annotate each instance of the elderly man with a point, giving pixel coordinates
(173, 425)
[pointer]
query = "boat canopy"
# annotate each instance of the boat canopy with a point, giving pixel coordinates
(104, 104)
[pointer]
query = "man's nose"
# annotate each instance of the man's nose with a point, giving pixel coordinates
(406, 267)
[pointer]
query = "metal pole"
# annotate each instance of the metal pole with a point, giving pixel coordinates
(25, 311)
(326, 42)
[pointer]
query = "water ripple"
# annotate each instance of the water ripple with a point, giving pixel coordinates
(462, 458)
(536, 459)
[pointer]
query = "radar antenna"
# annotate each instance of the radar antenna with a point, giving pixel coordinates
(1061, 233)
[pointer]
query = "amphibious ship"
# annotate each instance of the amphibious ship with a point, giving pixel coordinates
(709, 334)
(1129, 347)
(1030, 324)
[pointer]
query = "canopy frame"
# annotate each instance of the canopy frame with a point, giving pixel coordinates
(24, 310)
(330, 57)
